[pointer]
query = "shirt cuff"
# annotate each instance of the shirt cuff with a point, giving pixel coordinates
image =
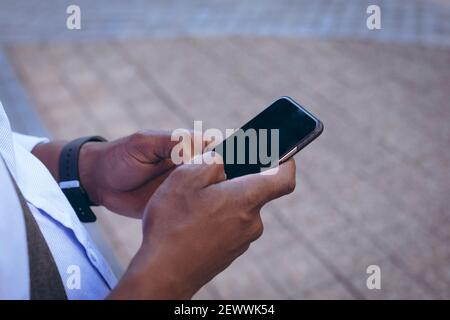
(28, 142)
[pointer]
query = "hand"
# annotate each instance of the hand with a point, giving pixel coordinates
(123, 174)
(195, 225)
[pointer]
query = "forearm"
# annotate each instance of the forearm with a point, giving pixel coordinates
(48, 154)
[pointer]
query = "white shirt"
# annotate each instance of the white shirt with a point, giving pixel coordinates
(68, 240)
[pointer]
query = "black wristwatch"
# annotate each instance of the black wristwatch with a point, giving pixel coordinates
(70, 179)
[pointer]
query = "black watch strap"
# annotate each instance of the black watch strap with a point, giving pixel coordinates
(70, 179)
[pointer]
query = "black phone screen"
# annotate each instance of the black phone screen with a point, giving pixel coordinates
(265, 139)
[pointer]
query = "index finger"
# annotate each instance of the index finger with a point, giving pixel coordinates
(154, 145)
(158, 145)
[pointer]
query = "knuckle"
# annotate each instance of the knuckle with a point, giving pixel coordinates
(292, 183)
(290, 165)
(137, 137)
(258, 229)
(219, 166)
(246, 217)
(219, 170)
(244, 248)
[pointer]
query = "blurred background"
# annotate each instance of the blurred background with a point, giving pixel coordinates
(373, 189)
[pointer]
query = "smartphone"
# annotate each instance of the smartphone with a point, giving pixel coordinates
(270, 138)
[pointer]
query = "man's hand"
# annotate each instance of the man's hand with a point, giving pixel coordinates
(122, 174)
(195, 225)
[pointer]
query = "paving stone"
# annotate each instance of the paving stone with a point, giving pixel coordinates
(238, 280)
(331, 290)
(292, 267)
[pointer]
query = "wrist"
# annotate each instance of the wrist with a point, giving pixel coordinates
(152, 276)
(48, 153)
(88, 167)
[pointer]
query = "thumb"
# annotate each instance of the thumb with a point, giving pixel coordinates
(206, 169)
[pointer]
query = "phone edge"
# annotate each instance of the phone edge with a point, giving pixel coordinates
(308, 139)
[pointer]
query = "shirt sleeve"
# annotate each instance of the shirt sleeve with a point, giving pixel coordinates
(28, 142)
